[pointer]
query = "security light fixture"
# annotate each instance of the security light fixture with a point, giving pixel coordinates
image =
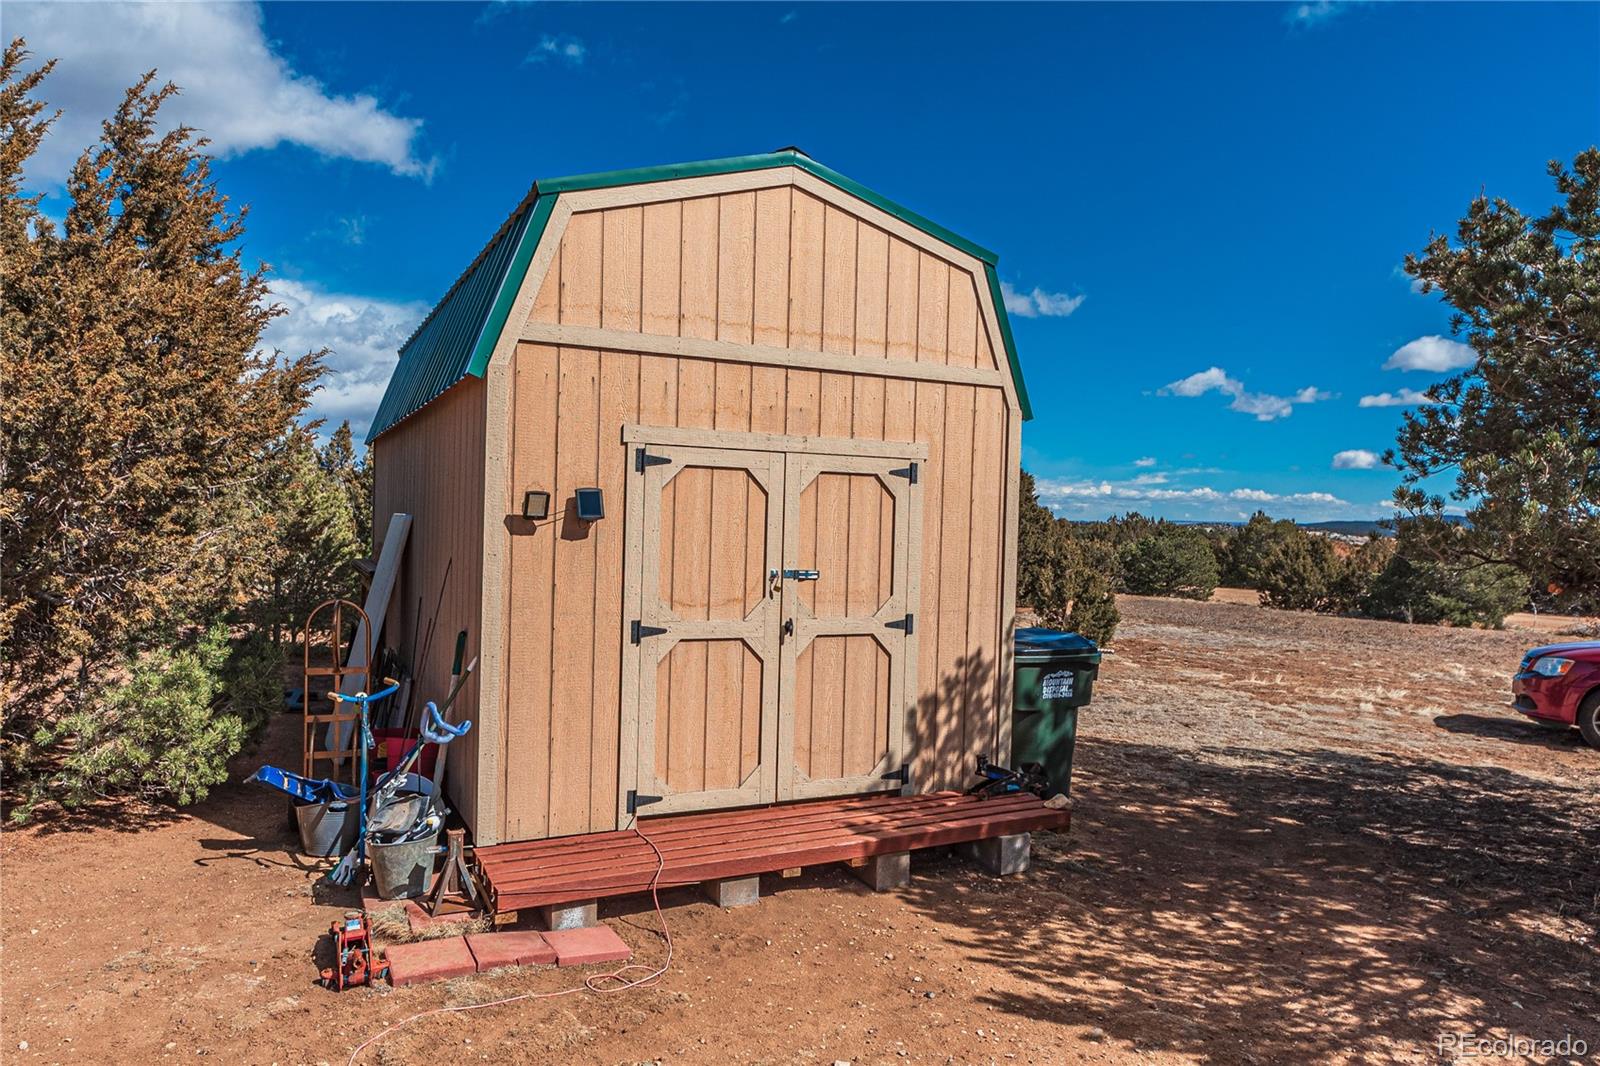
(591, 504)
(536, 504)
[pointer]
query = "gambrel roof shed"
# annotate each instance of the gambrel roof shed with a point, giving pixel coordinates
(794, 409)
(459, 334)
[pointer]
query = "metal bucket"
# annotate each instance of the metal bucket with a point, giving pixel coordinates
(403, 871)
(400, 813)
(327, 828)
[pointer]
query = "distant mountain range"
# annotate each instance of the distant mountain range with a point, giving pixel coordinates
(1354, 527)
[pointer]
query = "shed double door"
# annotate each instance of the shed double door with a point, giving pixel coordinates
(771, 598)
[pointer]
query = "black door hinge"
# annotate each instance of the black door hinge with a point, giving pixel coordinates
(642, 459)
(907, 472)
(635, 801)
(908, 623)
(902, 775)
(640, 631)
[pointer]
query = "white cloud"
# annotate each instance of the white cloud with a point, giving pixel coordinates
(1148, 460)
(1356, 459)
(1265, 406)
(1416, 285)
(1315, 12)
(364, 335)
(1038, 302)
(1202, 382)
(1089, 498)
(565, 47)
(1403, 398)
(1432, 353)
(236, 90)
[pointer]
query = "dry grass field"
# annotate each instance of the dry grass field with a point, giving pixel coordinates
(1296, 839)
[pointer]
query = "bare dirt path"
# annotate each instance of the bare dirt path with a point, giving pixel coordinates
(1296, 839)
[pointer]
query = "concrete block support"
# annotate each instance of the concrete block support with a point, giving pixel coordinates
(1001, 855)
(578, 915)
(733, 891)
(885, 872)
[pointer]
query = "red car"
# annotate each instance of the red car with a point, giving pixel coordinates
(1558, 686)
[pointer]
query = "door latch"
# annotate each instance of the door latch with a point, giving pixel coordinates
(801, 575)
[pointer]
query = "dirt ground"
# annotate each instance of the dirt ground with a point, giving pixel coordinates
(1296, 839)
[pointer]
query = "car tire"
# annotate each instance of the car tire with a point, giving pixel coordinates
(1589, 719)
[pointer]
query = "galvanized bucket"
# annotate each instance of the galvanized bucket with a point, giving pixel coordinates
(402, 871)
(327, 828)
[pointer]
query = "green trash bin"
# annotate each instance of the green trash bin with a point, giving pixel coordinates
(1055, 675)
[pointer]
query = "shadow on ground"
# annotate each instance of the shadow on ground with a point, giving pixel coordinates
(1516, 730)
(1248, 906)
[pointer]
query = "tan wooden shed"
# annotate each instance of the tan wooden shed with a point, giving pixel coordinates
(802, 407)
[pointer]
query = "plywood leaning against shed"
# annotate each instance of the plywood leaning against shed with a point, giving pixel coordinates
(802, 406)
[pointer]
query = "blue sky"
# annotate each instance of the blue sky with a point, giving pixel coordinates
(1200, 209)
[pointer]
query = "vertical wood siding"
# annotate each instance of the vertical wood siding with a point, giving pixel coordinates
(775, 267)
(430, 466)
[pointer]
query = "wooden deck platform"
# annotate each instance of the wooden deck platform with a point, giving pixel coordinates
(739, 843)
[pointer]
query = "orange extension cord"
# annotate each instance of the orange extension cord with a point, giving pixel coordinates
(615, 981)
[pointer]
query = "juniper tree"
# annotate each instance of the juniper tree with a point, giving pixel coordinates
(141, 415)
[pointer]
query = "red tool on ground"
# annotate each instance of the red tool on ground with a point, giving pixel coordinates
(354, 964)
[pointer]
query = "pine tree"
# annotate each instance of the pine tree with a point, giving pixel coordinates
(1519, 429)
(315, 540)
(1068, 582)
(338, 458)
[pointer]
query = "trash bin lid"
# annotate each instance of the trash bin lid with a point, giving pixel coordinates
(1037, 642)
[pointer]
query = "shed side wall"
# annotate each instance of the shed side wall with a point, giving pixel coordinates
(431, 466)
(775, 267)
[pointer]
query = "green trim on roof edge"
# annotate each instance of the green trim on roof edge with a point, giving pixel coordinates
(1010, 342)
(412, 386)
(489, 336)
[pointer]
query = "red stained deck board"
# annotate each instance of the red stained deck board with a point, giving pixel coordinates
(737, 827)
(674, 833)
(741, 843)
(734, 842)
(663, 828)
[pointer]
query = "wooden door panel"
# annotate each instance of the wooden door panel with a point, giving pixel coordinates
(708, 720)
(842, 723)
(709, 533)
(742, 688)
(842, 731)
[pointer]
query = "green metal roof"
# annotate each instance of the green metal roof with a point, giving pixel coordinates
(460, 333)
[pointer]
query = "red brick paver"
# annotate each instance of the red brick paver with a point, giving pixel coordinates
(429, 960)
(577, 947)
(517, 948)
